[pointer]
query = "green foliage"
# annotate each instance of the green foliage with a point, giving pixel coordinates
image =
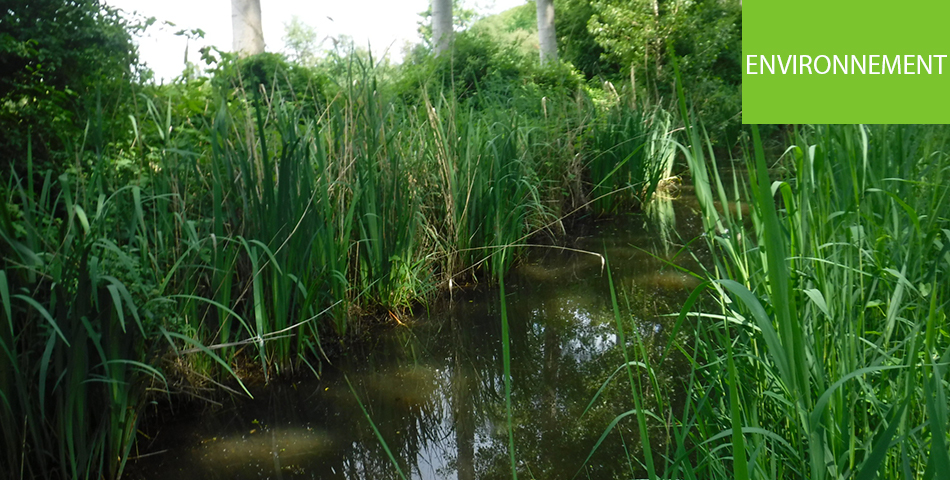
(829, 311)
(705, 35)
(252, 214)
(272, 76)
(301, 39)
(78, 330)
(488, 178)
(577, 45)
(65, 65)
(632, 30)
(517, 27)
(485, 69)
(629, 153)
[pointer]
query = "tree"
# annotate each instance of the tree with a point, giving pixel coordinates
(441, 25)
(64, 66)
(301, 40)
(577, 45)
(547, 38)
(705, 36)
(247, 32)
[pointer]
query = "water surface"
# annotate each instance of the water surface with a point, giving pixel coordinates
(434, 387)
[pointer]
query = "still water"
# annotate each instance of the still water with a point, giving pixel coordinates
(434, 385)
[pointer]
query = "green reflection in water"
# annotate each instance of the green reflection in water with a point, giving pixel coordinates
(435, 390)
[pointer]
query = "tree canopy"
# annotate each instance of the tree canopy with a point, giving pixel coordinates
(60, 64)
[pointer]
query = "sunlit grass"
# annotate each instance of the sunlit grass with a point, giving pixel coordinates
(823, 350)
(254, 229)
(831, 320)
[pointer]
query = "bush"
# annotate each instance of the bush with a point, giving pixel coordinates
(63, 66)
(272, 74)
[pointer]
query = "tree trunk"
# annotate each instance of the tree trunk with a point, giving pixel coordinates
(547, 38)
(441, 25)
(248, 34)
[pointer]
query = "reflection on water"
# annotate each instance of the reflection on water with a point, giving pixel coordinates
(260, 449)
(435, 391)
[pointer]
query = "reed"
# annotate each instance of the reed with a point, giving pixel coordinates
(830, 310)
(630, 152)
(487, 179)
(386, 201)
(257, 226)
(77, 336)
(820, 341)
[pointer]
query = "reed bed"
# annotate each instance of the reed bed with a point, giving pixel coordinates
(821, 341)
(77, 358)
(255, 232)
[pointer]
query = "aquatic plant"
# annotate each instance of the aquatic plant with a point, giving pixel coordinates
(77, 334)
(831, 320)
(245, 228)
(630, 153)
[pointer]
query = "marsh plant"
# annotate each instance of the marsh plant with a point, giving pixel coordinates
(79, 329)
(255, 226)
(824, 351)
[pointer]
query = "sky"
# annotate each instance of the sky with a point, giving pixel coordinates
(386, 24)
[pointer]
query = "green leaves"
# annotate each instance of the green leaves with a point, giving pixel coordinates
(62, 61)
(835, 356)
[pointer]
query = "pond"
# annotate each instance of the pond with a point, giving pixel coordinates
(433, 384)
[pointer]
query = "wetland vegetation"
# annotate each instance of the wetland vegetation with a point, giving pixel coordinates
(465, 266)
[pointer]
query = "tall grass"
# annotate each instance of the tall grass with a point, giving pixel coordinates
(490, 186)
(254, 229)
(823, 350)
(826, 355)
(78, 336)
(630, 154)
(369, 206)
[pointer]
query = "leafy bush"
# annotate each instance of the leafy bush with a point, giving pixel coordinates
(64, 65)
(271, 75)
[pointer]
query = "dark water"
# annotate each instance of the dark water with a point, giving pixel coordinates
(434, 388)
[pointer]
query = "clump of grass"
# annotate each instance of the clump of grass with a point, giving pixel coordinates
(251, 228)
(77, 335)
(368, 206)
(486, 179)
(831, 318)
(630, 153)
(823, 351)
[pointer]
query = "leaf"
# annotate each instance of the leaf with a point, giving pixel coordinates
(776, 349)
(872, 463)
(44, 366)
(5, 298)
(114, 292)
(124, 292)
(379, 436)
(815, 417)
(819, 299)
(82, 218)
(169, 335)
(45, 314)
(137, 201)
(610, 427)
(607, 381)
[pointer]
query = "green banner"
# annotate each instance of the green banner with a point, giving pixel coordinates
(845, 61)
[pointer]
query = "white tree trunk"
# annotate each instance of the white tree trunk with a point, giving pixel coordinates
(441, 25)
(547, 38)
(248, 34)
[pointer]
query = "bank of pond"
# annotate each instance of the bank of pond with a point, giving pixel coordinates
(445, 297)
(431, 383)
